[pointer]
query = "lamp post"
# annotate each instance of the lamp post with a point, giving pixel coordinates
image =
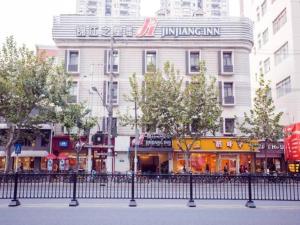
(78, 148)
(109, 153)
(136, 138)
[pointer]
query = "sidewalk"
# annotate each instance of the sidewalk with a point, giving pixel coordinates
(149, 212)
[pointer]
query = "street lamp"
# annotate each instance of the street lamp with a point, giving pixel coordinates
(109, 152)
(78, 148)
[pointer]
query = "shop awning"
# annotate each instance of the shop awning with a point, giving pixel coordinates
(31, 153)
(2, 153)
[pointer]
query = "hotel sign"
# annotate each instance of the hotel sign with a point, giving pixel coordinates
(149, 28)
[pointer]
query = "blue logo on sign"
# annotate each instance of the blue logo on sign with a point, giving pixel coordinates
(63, 144)
(18, 148)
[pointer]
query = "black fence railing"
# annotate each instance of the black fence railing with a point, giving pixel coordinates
(128, 186)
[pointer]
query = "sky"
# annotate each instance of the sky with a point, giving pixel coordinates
(30, 21)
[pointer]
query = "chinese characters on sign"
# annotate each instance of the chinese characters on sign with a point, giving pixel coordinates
(229, 144)
(97, 31)
(147, 29)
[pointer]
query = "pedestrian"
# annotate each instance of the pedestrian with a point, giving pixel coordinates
(21, 168)
(225, 169)
(207, 168)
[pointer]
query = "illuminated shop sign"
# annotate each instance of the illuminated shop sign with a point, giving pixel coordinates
(149, 28)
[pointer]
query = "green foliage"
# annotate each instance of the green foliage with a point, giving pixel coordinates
(76, 116)
(166, 104)
(31, 89)
(263, 122)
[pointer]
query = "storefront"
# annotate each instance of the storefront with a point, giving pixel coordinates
(154, 153)
(64, 149)
(273, 154)
(214, 155)
(2, 160)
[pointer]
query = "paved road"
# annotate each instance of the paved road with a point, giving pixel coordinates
(158, 212)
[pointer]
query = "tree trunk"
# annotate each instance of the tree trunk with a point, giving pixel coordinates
(266, 158)
(8, 161)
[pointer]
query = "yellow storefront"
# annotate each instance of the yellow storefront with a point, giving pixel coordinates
(213, 155)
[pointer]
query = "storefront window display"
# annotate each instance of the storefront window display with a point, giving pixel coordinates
(2, 163)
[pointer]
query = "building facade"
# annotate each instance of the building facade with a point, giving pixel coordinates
(84, 44)
(277, 53)
(109, 7)
(187, 8)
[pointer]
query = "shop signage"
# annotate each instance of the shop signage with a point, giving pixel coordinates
(155, 141)
(292, 142)
(63, 144)
(149, 28)
(49, 164)
(279, 146)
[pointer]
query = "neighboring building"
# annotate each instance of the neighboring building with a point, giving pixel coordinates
(187, 8)
(277, 53)
(109, 7)
(46, 51)
(225, 43)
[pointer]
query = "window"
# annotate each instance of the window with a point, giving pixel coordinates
(114, 125)
(150, 58)
(194, 60)
(227, 62)
(264, 8)
(259, 41)
(267, 65)
(73, 93)
(115, 93)
(265, 36)
(73, 61)
(115, 61)
(257, 14)
(229, 126)
(228, 93)
(279, 21)
(283, 87)
(45, 138)
(281, 54)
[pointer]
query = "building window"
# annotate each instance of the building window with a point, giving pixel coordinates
(229, 126)
(283, 87)
(151, 61)
(194, 60)
(45, 138)
(114, 125)
(281, 54)
(267, 65)
(228, 93)
(227, 62)
(73, 61)
(73, 93)
(279, 21)
(115, 61)
(257, 14)
(264, 8)
(265, 36)
(115, 93)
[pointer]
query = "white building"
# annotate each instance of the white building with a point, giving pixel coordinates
(109, 7)
(186, 8)
(223, 43)
(277, 52)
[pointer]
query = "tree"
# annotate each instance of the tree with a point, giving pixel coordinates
(31, 89)
(76, 116)
(263, 122)
(185, 113)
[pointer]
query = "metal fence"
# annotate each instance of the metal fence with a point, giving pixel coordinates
(129, 186)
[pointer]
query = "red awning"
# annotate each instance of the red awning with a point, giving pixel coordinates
(62, 156)
(51, 156)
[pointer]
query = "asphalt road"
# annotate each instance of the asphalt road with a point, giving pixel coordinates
(158, 212)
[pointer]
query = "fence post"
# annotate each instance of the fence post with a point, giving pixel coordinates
(191, 202)
(15, 201)
(74, 202)
(250, 203)
(132, 202)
